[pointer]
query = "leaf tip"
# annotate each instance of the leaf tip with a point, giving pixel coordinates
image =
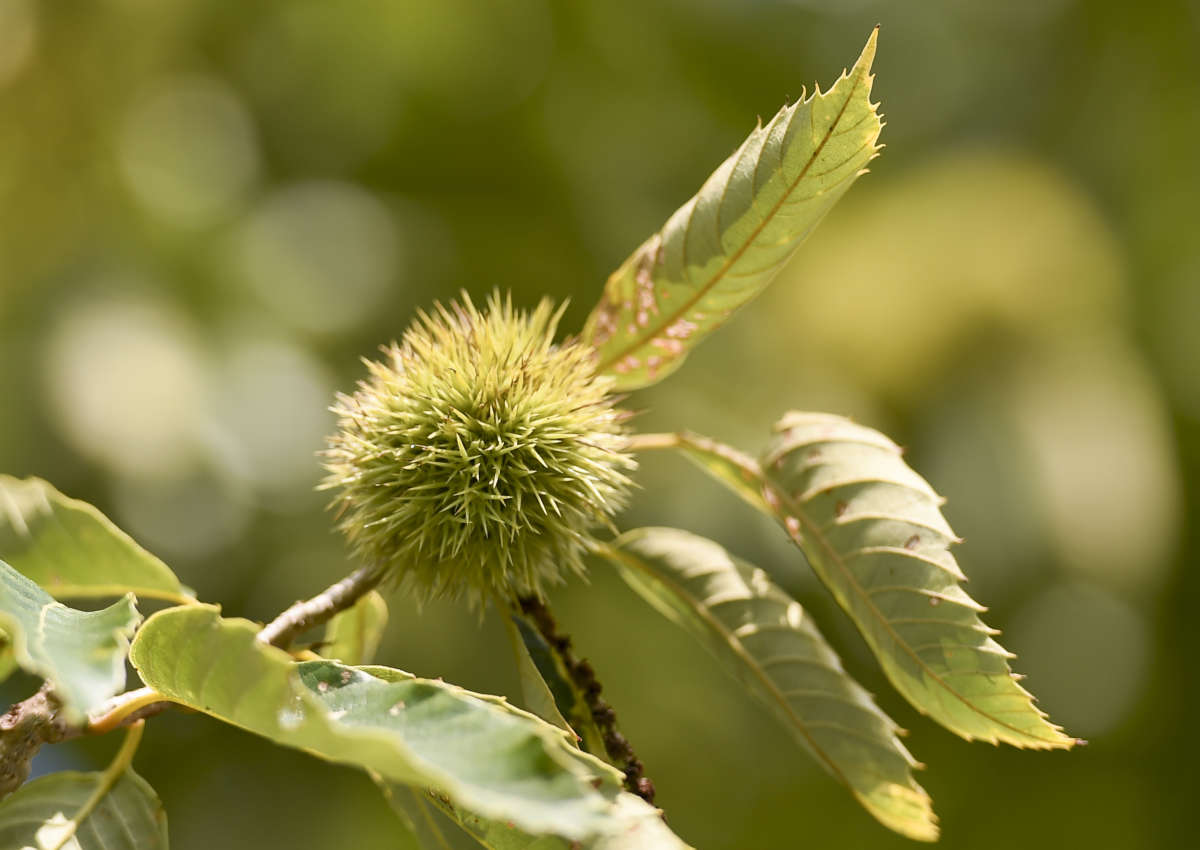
(868, 53)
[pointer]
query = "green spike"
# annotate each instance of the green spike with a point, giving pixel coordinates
(467, 426)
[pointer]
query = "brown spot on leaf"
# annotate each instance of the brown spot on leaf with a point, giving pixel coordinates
(681, 329)
(672, 347)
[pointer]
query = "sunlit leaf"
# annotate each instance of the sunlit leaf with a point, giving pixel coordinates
(81, 653)
(767, 641)
(723, 247)
(126, 816)
(873, 531)
(353, 635)
(479, 752)
(72, 550)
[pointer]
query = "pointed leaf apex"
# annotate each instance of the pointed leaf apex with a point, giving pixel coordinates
(723, 247)
(868, 54)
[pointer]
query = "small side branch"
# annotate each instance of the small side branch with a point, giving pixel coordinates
(23, 729)
(303, 616)
(616, 745)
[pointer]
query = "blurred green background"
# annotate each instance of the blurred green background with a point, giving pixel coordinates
(210, 211)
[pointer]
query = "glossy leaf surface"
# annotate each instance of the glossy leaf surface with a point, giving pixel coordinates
(479, 752)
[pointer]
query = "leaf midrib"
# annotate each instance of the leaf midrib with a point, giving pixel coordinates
(691, 301)
(815, 532)
(739, 649)
(861, 595)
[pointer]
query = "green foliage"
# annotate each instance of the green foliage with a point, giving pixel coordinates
(477, 459)
(80, 653)
(353, 636)
(639, 826)
(480, 753)
(767, 641)
(72, 550)
(872, 530)
(548, 687)
(84, 811)
(724, 246)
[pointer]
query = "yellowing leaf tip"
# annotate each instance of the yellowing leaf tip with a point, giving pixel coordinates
(868, 54)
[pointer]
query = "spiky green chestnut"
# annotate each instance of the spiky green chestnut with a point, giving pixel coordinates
(478, 456)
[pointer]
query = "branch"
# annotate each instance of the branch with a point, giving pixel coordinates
(302, 616)
(23, 729)
(616, 745)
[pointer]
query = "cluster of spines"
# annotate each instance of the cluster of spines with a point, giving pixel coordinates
(479, 455)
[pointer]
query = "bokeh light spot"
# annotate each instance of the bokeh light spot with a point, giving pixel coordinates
(18, 37)
(126, 384)
(973, 242)
(184, 517)
(319, 254)
(1085, 652)
(188, 149)
(273, 405)
(1096, 426)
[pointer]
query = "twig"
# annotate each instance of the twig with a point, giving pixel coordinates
(23, 729)
(302, 616)
(619, 750)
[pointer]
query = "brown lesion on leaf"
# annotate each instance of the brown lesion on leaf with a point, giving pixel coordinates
(630, 297)
(647, 258)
